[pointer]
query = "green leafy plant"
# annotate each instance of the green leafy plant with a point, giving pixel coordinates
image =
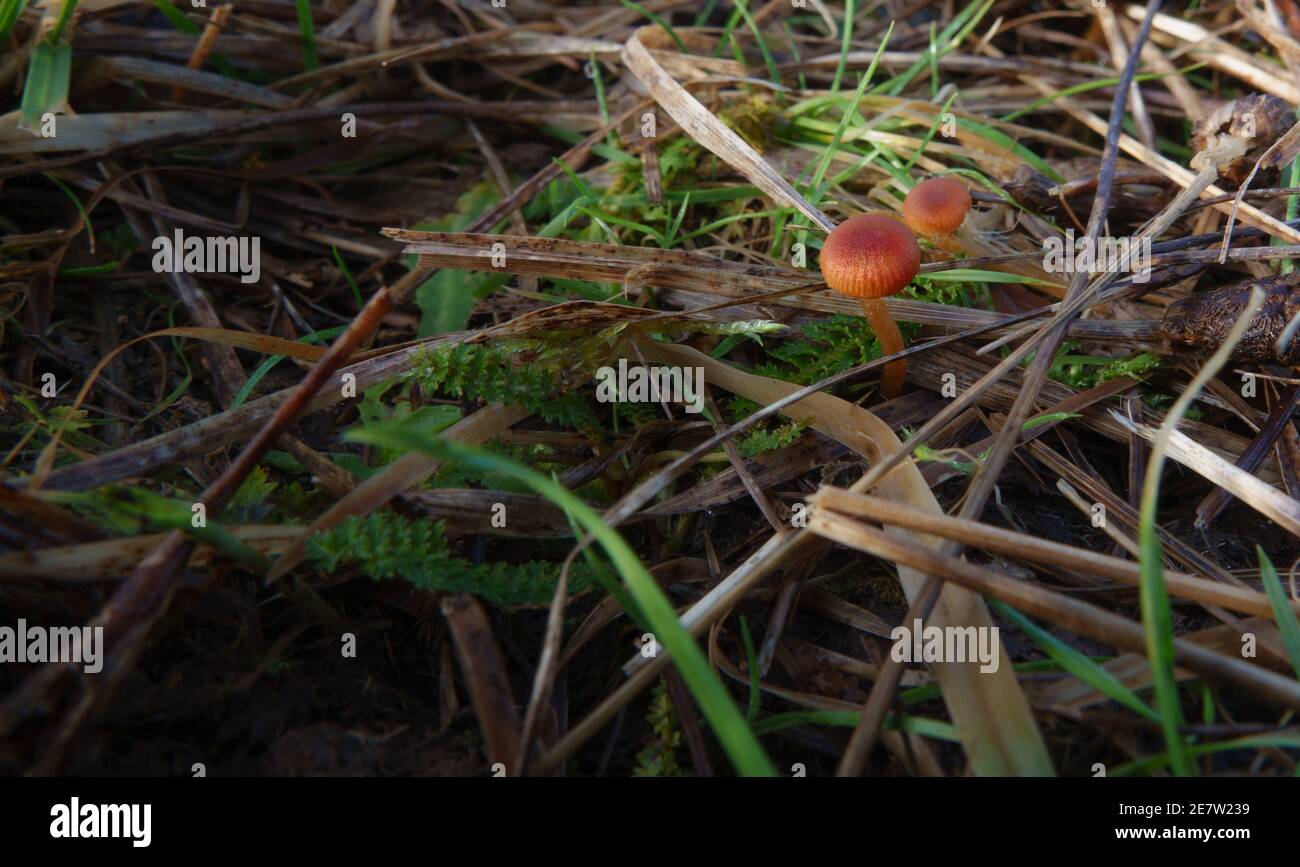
(659, 757)
(767, 440)
(250, 502)
(447, 298)
(385, 545)
(1086, 371)
(426, 419)
(477, 371)
(827, 347)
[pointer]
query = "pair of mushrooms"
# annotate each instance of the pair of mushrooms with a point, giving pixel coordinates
(873, 256)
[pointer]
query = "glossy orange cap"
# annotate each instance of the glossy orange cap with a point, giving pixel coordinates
(870, 256)
(936, 206)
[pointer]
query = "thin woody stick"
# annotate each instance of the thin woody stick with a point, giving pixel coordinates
(997, 539)
(198, 57)
(1066, 611)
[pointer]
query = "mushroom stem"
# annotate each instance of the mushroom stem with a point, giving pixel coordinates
(891, 341)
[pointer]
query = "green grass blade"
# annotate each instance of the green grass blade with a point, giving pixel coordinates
(48, 74)
(76, 203)
(845, 40)
(1148, 764)
(655, 19)
(751, 659)
(597, 214)
(1292, 180)
(1075, 662)
(824, 163)
(1157, 619)
(977, 275)
(308, 31)
(177, 17)
(1282, 610)
(598, 82)
(716, 704)
(958, 29)
(670, 237)
(916, 725)
(610, 583)
(1000, 138)
(347, 275)
(268, 364)
(159, 511)
(705, 13)
(1086, 86)
(768, 59)
(10, 10)
(930, 133)
(65, 15)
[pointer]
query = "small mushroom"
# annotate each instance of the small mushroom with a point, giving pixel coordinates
(870, 257)
(936, 207)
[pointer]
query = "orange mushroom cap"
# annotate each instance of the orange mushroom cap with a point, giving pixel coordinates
(870, 256)
(936, 206)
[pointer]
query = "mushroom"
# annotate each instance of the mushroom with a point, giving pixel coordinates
(870, 257)
(936, 207)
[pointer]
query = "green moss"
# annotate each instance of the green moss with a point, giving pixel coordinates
(385, 545)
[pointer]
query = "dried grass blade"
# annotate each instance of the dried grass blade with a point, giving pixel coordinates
(990, 710)
(485, 674)
(1001, 541)
(97, 561)
(703, 126)
(1065, 611)
(1251, 490)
